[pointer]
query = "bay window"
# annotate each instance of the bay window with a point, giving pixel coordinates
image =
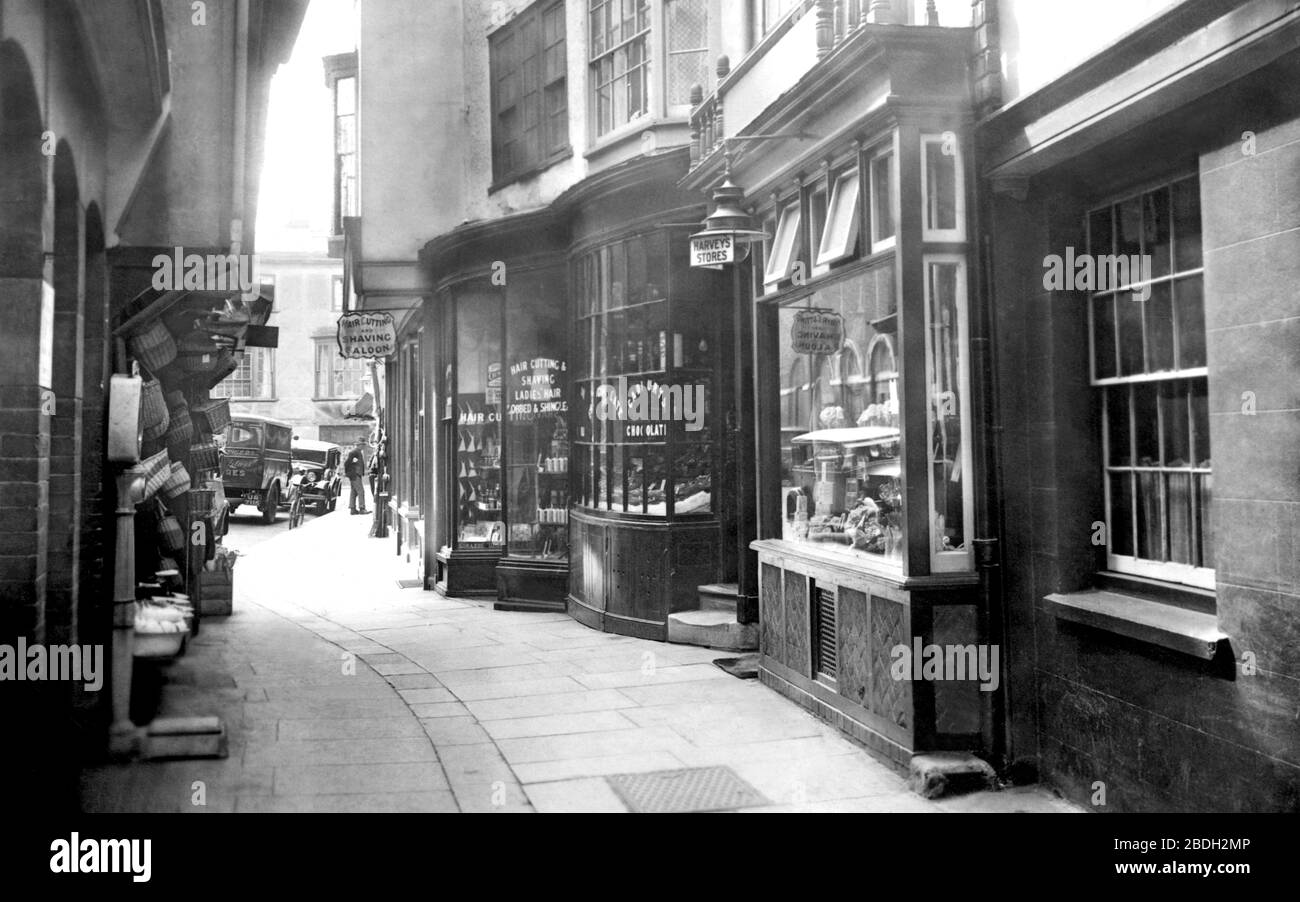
(644, 56)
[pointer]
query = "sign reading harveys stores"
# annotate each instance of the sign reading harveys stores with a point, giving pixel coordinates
(367, 335)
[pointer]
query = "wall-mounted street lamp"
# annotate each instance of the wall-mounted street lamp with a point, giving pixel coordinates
(729, 231)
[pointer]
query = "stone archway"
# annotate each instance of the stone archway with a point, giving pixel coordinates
(61, 602)
(26, 366)
(94, 610)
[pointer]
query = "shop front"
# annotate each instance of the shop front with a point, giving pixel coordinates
(651, 502)
(501, 404)
(573, 361)
(868, 470)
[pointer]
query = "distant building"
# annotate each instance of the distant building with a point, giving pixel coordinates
(303, 380)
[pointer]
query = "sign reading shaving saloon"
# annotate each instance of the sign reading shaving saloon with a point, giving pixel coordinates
(367, 335)
(817, 332)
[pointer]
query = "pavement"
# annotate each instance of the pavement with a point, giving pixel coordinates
(341, 691)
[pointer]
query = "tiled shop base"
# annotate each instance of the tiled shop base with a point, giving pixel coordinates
(690, 789)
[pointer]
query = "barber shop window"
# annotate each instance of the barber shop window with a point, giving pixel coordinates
(1149, 369)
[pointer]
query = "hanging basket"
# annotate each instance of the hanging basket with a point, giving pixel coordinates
(181, 431)
(202, 502)
(212, 416)
(178, 483)
(154, 347)
(157, 470)
(205, 456)
(153, 407)
(171, 537)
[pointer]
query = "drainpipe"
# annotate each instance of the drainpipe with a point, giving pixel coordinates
(239, 174)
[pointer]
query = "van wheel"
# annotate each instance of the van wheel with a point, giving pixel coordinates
(272, 508)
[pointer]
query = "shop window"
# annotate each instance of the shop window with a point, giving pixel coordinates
(536, 465)
(883, 227)
(477, 438)
(644, 396)
(786, 246)
(252, 380)
(619, 42)
(840, 465)
(942, 188)
(337, 378)
(839, 238)
(948, 438)
(527, 59)
(1149, 365)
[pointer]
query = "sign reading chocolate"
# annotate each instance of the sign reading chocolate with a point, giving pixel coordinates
(817, 332)
(367, 335)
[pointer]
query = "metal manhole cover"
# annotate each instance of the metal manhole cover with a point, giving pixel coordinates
(690, 789)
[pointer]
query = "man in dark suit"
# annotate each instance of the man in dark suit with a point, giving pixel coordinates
(354, 468)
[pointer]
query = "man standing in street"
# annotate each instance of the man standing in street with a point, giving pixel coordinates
(354, 468)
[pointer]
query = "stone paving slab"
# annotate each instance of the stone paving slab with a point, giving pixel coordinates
(342, 692)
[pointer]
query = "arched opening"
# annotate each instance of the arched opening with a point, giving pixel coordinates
(94, 610)
(27, 357)
(66, 423)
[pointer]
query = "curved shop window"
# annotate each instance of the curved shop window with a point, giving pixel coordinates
(646, 355)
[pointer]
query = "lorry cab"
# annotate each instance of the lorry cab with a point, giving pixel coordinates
(256, 460)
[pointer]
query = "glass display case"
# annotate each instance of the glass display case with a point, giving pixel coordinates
(841, 470)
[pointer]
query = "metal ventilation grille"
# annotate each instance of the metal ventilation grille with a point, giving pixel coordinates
(824, 632)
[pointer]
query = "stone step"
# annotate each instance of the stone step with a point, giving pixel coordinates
(719, 597)
(712, 629)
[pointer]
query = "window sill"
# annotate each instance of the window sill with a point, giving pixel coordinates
(1178, 629)
(513, 178)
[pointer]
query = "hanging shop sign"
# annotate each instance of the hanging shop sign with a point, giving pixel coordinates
(712, 251)
(817, 332)
(367, 335)
(536, 389)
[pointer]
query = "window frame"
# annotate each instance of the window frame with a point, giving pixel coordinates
(266, 356)
(330, 344)
(888, 242)
(1172, 573)
(844, 204)
(961, 560)
(547, 153)
(338, 302)
(955, 235)
(789, 222)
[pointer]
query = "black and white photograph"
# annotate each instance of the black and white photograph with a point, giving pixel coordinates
(848, 408)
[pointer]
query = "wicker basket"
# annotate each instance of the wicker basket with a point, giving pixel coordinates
(202, 501)
(205, 456)
(157, 470)
(181, 431)
(212, 416)
(178, 483)
(153, 407)
(171, 537)
(154, 347)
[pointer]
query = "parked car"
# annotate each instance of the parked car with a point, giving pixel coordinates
(256, 463)
(317, 473)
